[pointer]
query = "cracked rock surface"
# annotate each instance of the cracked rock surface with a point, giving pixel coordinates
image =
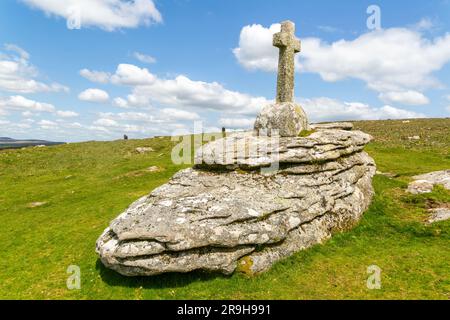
(439, 214)
(225, 213)
(425, 183)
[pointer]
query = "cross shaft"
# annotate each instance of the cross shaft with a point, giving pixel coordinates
(289, 45)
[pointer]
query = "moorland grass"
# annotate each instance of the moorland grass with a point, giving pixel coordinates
(81, 187)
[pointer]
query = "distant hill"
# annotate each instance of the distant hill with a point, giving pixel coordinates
(10, 143)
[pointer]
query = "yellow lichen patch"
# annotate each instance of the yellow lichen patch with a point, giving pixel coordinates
(298, 109)
(245, 266)
(241, 171)
(306, 133)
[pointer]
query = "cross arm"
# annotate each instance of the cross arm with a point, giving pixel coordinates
(280, 39)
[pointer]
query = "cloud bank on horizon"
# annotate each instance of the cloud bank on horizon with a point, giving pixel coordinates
(399, 65)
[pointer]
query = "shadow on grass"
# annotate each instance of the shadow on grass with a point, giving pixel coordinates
(164, 281)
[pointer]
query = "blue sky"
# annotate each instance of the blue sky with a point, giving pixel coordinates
(154, 67)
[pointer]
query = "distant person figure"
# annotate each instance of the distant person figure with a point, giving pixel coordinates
(125, 137)
(224, 131)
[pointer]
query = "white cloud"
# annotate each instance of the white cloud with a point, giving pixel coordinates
(94, 95)
(30, 108)
(106, 14)
(177, 114)
(388, 112)
(180, 93)
(23, 125)
(106, 122)
(132, 101)
(143, 124)
(144, 57)
(255, 51)
(48, 125)
(20, 103)
(165, 116)
(410, 97)
(237, 123)
(19, 76)
(13, 127)
(151, 122)
(95, 76)
(448, 109)
(183, 92)
(74, 125)
(424, 24)
(67, 114)
(390, 60)
(138, 101)
(387, 60)
(128, 74)
(131, 116)
(27, 113)
(327, 109)
(121, 103)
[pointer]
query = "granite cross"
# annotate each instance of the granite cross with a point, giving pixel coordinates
(289, 45)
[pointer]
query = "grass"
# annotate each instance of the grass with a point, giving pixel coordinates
(79, 188)
(306, 133)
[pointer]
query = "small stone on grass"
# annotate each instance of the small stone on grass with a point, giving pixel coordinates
(36, 204)
(144, 150)
(439, 214)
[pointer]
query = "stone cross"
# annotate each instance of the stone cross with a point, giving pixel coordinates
(289, 45)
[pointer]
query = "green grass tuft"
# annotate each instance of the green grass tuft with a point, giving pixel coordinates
(306, 133)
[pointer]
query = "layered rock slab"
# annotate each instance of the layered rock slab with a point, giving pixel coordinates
(225, 213)
(247, 150)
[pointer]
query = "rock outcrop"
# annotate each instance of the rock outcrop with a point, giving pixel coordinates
(252, 198)
(425, 183)
(249, 202)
